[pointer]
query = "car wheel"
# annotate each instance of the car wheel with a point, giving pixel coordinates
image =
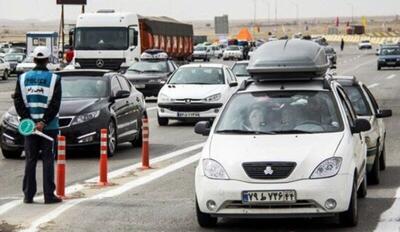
(349, 218)
(373, 177)
(139, 139)
(5, 74)
(382, 159)
(112, 139)
(379, 67)
(162, 121)
(204, 219)
(362, 191)
(11, 154)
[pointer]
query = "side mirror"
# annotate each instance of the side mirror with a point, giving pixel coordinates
(361, 125)
(384, 114)
(203, 128)
(121, 94)
(233, 84)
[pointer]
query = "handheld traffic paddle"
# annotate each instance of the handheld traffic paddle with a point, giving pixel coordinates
(28, 127)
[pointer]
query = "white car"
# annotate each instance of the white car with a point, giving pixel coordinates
(195, 91)
(28, 65)
(283, 149)
(200, 53)
(366, 107)
(233, 52)
(4, 69)
(240, 70)
(214, 51)
(364, 44)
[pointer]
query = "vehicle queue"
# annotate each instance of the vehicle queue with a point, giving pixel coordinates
(264, 124)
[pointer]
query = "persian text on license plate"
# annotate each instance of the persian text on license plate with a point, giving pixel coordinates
(281, 196)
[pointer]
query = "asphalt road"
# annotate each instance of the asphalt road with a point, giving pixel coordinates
(162, 199)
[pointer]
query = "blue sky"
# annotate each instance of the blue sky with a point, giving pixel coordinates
(203, 9)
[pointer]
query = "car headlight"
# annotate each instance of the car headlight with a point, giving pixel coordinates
(213, 98)
(11, 119)
(85, 117)
(163, 98)
(327, 168)
(214, 170)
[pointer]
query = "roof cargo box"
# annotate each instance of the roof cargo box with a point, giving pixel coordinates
(288, 59)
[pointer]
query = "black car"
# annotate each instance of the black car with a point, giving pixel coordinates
(91, 100)
(149, 75)
(14, 59)
(389, 56)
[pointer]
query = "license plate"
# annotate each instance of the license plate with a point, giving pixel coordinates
(188, 115)
(391, 63)
(140, 86)
(281, 196)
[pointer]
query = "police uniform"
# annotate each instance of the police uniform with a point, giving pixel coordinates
(38, 97)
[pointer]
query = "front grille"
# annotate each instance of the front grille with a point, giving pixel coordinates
(64, 122)
(391, 60)
(269, 170)
(112, 64)
(190, 107)
(297, 204)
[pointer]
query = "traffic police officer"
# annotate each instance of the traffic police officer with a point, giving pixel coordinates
(38, 97)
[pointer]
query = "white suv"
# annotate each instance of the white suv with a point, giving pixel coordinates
(287, 148)
(195, 91)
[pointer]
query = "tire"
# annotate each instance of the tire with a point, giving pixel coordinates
(5, 75)
(382, 159)
(379, 67)
(11, 154)
(112, 139)
(349, 218)
(373, 176)
(205, 220)
(362, 191)
(162, 121)
(138, 142)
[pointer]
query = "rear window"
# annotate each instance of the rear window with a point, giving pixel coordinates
(358, 100)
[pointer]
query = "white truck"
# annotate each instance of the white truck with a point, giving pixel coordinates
(114, 40)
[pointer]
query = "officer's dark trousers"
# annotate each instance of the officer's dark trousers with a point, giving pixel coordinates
(37, 147)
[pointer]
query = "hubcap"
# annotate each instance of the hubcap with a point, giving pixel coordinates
(111, 138)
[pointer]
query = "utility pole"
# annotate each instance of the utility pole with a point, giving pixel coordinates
(62, 28)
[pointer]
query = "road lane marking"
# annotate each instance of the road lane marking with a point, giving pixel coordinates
(35, 226)
(391, 76)
(116, 173)
(373, 85)
(390, 219)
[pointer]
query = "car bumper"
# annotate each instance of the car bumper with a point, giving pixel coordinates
(311, 197)
(389, 63)
(197, 111)
(197, 56)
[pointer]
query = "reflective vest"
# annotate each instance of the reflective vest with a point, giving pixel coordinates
(37, 88)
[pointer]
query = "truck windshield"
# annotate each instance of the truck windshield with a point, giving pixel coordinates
(101, 38)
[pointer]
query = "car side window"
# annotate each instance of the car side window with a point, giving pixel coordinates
(372, 98)
(171, 66)
(350, 114)
(115, 86)
(124, 84)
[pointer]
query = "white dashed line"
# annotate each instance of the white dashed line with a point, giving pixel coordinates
(373, 85)
(391, 76)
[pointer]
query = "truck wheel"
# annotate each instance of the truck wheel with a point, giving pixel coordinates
(5, 75)
(204, 219)
(162, 121)
(373, 177)
(11, 154)
(382, 159)
(349, 218)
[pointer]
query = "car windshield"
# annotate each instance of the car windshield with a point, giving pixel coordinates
(84, 87)
(28, 59)
(358, 101)
(14, 57)
(281, 112)
(16, 50)
(200, 48)
(233, 48)
(100, 38)
(198, 75)
(240, 70)
(390, 51)
(149, 66)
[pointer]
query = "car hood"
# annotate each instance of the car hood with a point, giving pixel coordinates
(145, 76)
(71, 107)
(306, 150)
(191, 91)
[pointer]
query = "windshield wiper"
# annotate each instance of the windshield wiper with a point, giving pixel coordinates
(237, 131)
(292, 132)
(156, 71)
